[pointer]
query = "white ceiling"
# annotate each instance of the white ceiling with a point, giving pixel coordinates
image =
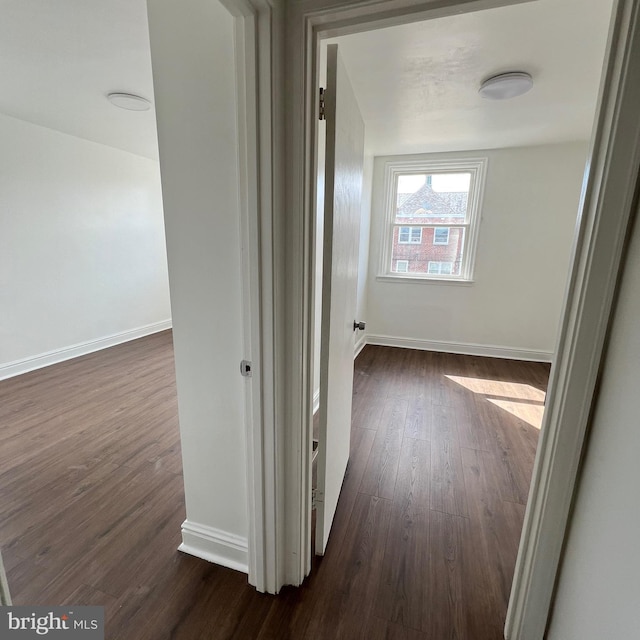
(59, 59)
(416, 84)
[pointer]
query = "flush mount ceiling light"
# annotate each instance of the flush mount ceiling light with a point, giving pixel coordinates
(506, 85)
(129, 101)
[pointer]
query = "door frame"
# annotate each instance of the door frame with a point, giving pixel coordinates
(260, 159)
(609, 186)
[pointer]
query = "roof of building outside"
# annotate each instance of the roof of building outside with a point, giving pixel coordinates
(427, 202)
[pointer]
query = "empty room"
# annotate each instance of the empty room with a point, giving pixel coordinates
(470, 197)
(420, 271)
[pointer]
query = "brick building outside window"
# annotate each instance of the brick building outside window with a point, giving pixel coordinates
(433, 213)
(421, 245)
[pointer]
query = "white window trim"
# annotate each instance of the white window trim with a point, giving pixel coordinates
(405, 262)
(475, 165)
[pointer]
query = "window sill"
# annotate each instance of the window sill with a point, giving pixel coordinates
(423, 280)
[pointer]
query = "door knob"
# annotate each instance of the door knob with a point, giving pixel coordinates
(358, 325)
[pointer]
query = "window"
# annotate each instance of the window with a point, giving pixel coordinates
(441, 235)
(440, 198)
(440, 268)
(410, 235)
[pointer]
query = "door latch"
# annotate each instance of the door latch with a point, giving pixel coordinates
(245, 368)
(358, 325)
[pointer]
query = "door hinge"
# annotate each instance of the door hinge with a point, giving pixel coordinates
(245, 368)
(321, 113)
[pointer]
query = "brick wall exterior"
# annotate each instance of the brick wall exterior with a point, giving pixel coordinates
(419, 255)
(426, 207)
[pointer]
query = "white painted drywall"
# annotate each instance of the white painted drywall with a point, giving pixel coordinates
(417, 83)
(192, 52)
(82, 247)
(599, 590)
(525, 238)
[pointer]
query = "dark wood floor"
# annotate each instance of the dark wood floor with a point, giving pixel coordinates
(425, 536)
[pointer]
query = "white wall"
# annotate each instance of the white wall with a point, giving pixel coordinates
(192, 52)
(525, 237)
(599, 589)
(82, 248)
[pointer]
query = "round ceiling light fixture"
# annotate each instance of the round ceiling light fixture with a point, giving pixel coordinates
(129, 101)
(506, 85)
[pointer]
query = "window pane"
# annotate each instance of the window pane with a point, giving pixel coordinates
(428, 257)
(441, 235)
(409, 235)
(435, 198)
(440, 268)
(432, 226)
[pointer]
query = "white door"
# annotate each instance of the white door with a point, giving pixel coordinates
(343, 187)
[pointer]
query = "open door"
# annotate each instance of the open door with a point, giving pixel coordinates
(343, 189)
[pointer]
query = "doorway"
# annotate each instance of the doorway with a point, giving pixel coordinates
(506, 189)
(563, 368)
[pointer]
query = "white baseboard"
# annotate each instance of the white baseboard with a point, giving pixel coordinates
(469, 349)
(213, 545)
(18, 367)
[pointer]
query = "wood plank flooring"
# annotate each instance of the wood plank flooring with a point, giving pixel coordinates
(422, 547)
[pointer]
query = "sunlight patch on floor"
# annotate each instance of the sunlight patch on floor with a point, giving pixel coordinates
(500, 389)
(521, 400)
(530, 413)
